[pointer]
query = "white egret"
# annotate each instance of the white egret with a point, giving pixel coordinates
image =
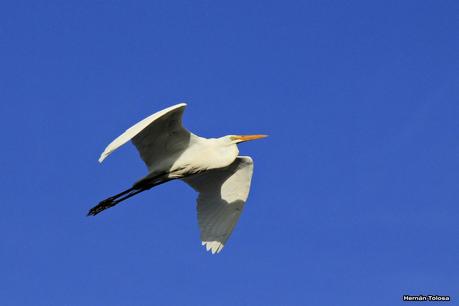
(211, 166)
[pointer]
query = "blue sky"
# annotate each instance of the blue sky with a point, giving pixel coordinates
(354, 199)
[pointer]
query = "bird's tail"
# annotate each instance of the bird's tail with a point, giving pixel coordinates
(140, 186)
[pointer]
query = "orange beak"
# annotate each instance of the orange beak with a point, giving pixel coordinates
(243, 138)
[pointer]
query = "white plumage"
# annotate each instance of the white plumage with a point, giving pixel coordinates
(211, 166)
(222, 194)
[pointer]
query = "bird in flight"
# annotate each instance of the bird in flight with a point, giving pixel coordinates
(211, 166)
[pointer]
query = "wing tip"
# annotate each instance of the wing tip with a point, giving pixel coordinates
(214, 247)
(103, 156)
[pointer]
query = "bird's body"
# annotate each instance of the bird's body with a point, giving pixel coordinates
(209, 165)
(201, 154)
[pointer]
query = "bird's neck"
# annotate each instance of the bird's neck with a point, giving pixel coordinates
(223, 153)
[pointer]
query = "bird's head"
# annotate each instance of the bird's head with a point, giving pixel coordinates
(234, 139)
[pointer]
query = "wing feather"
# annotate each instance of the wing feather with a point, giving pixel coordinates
(222, 195)
(156, 136)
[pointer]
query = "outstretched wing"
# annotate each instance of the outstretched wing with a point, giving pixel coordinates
(222, 194)
(155, 137)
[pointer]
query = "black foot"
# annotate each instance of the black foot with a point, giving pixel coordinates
(101, 207)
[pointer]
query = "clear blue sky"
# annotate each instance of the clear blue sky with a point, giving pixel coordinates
(355, 197)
